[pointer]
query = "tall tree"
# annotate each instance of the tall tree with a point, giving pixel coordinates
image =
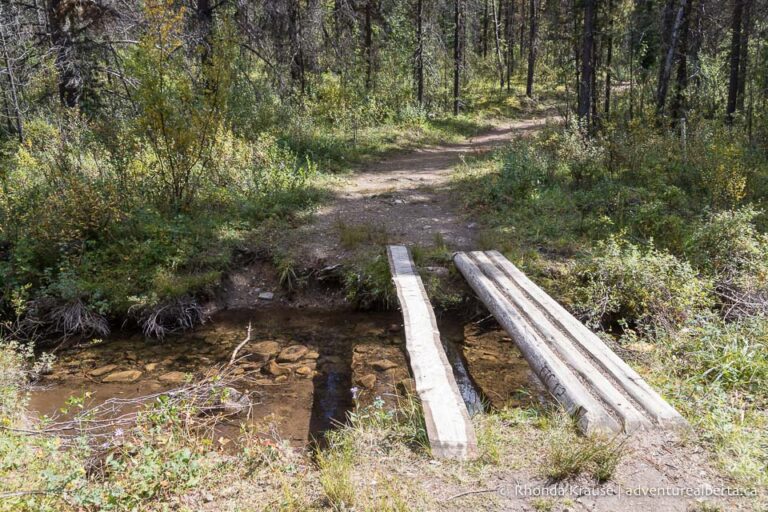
(734, 59)
(674, 15)
(587, 64)
(532, 46)
(419, 56)
(458, 57)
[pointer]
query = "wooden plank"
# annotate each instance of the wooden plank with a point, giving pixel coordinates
(621, 405)
(631, 382)
(450, 431)
(590, 415)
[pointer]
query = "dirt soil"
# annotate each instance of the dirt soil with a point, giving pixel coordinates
(404, 199)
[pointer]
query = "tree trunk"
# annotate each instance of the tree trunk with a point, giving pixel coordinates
(509, 33)
(665, 70)
(678, 109)
(420, 52)
(499, 61)
(458, 45)
(369, 45)
(14, 103)
(70, 82)
(532, 47)
(484, 35)
(735, 59)
(609, 61)
(744, 51)
(587, 64)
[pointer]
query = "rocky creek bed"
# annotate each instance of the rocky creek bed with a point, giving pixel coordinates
(302, 369)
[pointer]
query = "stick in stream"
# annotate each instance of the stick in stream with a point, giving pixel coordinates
(237, 349)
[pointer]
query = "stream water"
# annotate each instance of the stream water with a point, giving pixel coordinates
(331, 353)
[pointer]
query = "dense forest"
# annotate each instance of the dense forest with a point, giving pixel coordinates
(147, 145)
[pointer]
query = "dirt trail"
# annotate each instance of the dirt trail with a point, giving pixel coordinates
(402, 199)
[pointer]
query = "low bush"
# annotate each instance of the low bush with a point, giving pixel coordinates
(729, 247)
(639, 288)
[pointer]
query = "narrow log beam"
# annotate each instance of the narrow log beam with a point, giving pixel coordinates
(450, 431)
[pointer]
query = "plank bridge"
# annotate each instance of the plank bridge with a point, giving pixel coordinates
(602, 392)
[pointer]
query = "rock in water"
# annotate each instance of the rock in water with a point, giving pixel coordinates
(124, 376)
(383, 365)
(292, 353)
(266, 295)
(304, 371)
(265, 350)
(174, 378)
(98, 372)
(367, 381)
(275, 369)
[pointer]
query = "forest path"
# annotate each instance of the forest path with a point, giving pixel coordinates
(404, 199)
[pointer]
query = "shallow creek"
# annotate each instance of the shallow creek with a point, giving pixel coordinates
(304, 390)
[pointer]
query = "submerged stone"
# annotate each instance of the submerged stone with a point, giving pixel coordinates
(383, 365)
(174, 377)
(98, 372)
(292, 353)
(124, 376)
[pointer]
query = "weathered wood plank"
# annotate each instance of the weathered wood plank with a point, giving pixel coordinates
(450, 431)
(591, 416)
(631, 382)
(632, 418)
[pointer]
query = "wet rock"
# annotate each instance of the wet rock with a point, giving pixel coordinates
(150, 367)
(266, 295)
(174, 378)
(367, 381)
(361, 349)
(281, 378)
(331, 360)
(124, 376)
(262, 382)
(130, 356)
(304, 371)
(292, 354)
(98, 372)
(395, 328)
(383, 365)
(252, 367)
(490, 358)
(275, 369)
(311, 355)
(265, 350)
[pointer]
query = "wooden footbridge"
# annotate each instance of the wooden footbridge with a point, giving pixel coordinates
(601, 391)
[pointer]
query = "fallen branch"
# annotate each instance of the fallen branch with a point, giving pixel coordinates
(242, 343)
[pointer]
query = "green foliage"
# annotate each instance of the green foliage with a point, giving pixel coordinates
(639, 288)
(729, 247)
(371, 285)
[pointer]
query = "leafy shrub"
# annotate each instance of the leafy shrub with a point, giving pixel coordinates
(729, 248)
(643, 288)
